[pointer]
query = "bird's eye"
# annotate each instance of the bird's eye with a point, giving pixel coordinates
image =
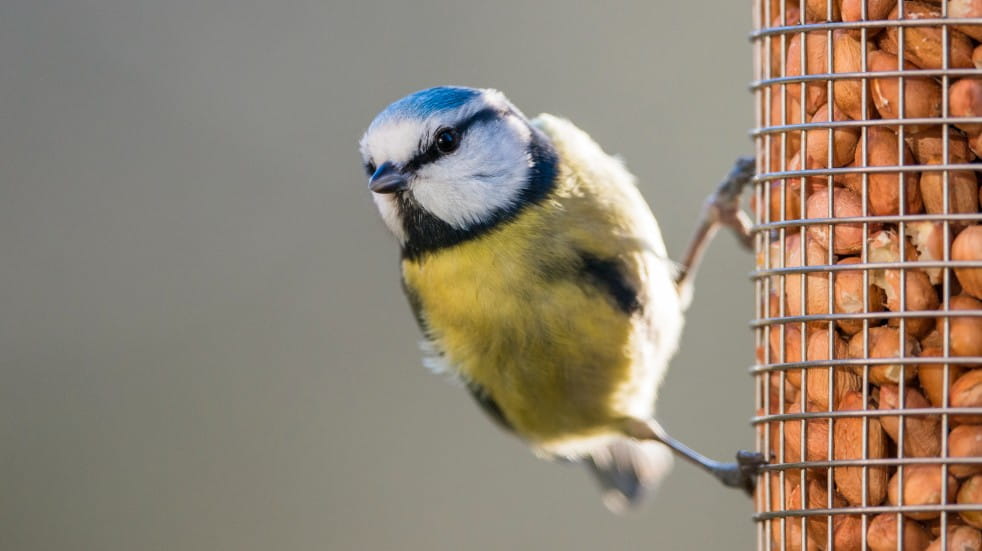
(370, 168)
(447, 140)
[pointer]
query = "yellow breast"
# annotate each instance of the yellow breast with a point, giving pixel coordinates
(509, 313)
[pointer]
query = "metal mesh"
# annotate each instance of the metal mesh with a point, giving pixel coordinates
(864, 329)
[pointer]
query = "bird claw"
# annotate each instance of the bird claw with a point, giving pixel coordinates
(743, 473)
(743, 171)
(724, 203)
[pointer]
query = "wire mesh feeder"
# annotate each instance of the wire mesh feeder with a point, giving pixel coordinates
(868, 320)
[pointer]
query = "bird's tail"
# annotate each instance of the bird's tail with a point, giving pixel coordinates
(629, 469)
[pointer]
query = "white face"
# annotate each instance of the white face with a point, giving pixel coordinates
(485, 174)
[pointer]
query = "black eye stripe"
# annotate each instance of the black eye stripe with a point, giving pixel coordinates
(431, 153)
(484, 115)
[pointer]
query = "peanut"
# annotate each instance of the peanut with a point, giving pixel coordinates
(922, 96)
(816, 437)
(928, 146)
(931, 376)
(970, 493)
(792, 203)
(884, 342)
(922, 45)
(850, 297)
(966, 331)
(920, 296)
(848, 438)
(921, 486)
(882, 148)
(875, 9)
(818, 498)
(816, 283)
(966, 391)
(965, 100)
(968, 247)
(963, 191)
(922, 433)
(844, 139)
(882, 534)
(965, 441)
(928, 239)
(847, 53)
(787, 351)
(815, 63)
(966, 9)
(848, 238)
(821, 10)
(817, 378)
(847, 532)
(960, 538)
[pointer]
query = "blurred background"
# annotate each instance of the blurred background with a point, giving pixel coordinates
(203, 342)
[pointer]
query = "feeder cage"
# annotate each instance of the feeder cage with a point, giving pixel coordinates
(868, 277)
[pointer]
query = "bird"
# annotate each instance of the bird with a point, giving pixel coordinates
(539, 278)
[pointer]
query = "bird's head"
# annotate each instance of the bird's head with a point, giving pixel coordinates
(447, 163)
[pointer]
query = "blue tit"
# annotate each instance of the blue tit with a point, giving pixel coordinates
(539, 278)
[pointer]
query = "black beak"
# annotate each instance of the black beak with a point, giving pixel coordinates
(388, 179)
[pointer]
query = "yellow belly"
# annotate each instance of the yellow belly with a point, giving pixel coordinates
(554, 353)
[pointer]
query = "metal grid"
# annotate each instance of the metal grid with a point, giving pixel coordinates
(830, 454)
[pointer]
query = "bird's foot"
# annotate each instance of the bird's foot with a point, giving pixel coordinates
(724, 203)
(743, 473)
(721, 208)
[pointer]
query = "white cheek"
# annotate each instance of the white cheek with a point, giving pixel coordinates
(470, 187)
(389, 211)
(465, 202)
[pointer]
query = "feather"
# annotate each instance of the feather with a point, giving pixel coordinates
(628, 470)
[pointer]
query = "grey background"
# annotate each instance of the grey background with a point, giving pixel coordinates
(203, 344)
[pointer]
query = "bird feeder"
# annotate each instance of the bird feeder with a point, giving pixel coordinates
(868, 278)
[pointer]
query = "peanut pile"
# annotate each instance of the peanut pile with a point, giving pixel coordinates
(883, 385)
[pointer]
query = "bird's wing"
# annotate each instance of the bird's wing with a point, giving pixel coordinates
(615, 232)
(603, 216)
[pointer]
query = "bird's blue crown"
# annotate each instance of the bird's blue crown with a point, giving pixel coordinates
(425, 103)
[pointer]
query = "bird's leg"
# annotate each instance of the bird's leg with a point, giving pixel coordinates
(722, 208)
(740, 474)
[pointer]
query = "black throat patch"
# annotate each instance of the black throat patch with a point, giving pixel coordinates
(426, 233)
